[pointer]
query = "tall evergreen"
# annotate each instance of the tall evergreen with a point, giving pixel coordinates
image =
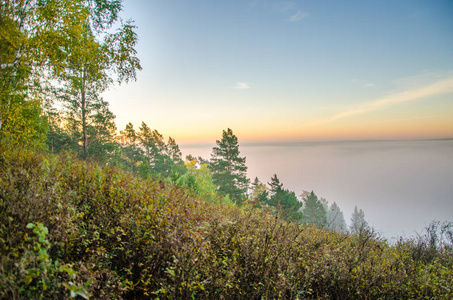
(174, 152)
(358, 222)
(228, 168)
(274, 185)
(335, 219)
(287, 201)
(284, 200)
(314, 212)
(157, 157)
(128, 140)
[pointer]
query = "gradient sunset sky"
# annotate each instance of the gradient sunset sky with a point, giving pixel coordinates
(290, 70)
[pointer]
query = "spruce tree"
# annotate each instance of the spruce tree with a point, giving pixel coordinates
(335, 219)
(358, 222)
(284, 200)
(228, 168)
(314, 212)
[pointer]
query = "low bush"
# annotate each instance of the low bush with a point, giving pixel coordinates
(71, 229)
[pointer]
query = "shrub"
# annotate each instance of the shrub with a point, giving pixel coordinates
(125, 237)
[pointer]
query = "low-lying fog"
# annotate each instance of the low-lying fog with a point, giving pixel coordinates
(400, 185)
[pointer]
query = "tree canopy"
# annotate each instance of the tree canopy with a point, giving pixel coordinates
(41, 41)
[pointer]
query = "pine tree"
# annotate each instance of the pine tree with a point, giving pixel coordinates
(358, 222)
(228, 168)
(174, 152)
(132, 153)
(145, 136)
(314, 212)
(255, 183)
(101, 133)
(274, 185)
(159, 158)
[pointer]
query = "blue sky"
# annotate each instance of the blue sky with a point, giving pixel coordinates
(291, 70)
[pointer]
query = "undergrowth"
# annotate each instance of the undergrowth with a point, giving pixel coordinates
(71, 229)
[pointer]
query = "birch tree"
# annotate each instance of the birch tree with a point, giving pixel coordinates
(41, 40)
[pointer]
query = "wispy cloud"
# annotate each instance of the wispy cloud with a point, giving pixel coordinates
(369, 85)
(443, 86)
(284, 6)
(300, 15)
(241, 86)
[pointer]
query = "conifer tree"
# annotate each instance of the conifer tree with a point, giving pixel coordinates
(335, 219)
(158, 158)
(131, 152)
(314, 212)
(228, 168)
(145, 136)
(284, 200)
(255, 183)
(259, 193)
(274, 185)
(358, 222)
(174, 152)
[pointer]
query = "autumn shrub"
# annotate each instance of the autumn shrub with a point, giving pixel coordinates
(110, 235)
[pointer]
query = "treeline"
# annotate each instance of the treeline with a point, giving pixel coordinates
(145, 153)
(56, 60)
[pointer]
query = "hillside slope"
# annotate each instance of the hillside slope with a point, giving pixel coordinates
(69, 228)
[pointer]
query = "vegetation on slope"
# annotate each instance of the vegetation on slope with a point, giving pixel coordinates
(70, 229)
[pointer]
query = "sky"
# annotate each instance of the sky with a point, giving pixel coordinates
(290, 70)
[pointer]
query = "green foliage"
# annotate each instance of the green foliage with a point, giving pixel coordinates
(288, 204)
(275, 185)
(314, 212)
(90, 66)
(146, 153)
(282, 200)
(36, 275)
(42, 42)
(259, 194)
(34, 44)
(228, 168)
(125, 237)
(199, 181)
(21, 121)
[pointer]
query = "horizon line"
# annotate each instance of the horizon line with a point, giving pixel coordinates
(299, 141)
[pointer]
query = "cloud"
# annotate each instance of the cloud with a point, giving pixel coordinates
(443, 86)
(369, 85)
(300, 15)
(285, 6)
(241, 86)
